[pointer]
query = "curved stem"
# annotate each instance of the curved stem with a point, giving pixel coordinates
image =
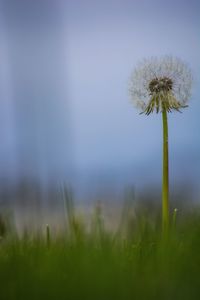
(165, 182)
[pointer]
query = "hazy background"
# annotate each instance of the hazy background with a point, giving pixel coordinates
(65, 113)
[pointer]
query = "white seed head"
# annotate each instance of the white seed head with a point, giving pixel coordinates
(160, 83)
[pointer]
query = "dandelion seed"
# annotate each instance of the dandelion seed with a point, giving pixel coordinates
(159, 84)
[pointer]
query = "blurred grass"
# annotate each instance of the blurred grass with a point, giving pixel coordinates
(133, 262)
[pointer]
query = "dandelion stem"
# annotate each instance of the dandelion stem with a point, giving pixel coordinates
(165, 183)
(47, 235)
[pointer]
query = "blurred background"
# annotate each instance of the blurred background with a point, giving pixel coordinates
(65, 113)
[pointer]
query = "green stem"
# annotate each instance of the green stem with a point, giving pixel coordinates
(165, 183)
(48, 235)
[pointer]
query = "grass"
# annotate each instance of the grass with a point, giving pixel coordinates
(135, 262)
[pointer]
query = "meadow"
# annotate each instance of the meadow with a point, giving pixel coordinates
(135, 261)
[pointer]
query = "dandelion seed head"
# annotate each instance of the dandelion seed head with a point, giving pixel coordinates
(160, 83)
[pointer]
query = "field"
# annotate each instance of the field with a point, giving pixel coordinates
(134, 262)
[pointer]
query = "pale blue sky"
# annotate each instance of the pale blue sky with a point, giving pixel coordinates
(67, 66)
(105, 42)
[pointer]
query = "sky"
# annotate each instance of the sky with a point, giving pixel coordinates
(66, 112)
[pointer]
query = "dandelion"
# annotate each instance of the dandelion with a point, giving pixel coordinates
(161, 85)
